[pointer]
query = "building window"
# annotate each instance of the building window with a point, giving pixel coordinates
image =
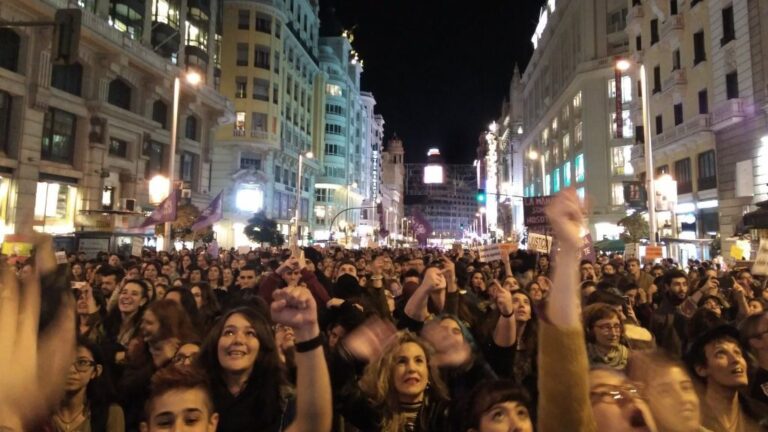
(707, 171)
(729, 27)
(654, 31)
(676, 59)
(617, 194)
(324, 195)
(578, 132)
(678, 113)
(673, 7)
(160, 113)
(190, 128)
(567, 174)
(250, 162)
(277, 62)
(6, 104)
(699, 48)
(118, 147)
(638, 43)
(10, 46)
(243, 19)
(59, 128)
(683, 176)
(703, 102)
(242, 54)
(263, 23)
(275, 94)
(334, 109)
(732, 85)
(239, 129)
(566, 145)
(656, 79)
(627, 128)
(261, 89)
(664, 169)
(67, 78)
(261, 56)
(334, 129)
(259, 122)
(577, 102)
(119, 94)
(333, 90)
(579, 168)
(241, 87)
(620, 161)
(617, 21)
(154, 151)
(127, 17)
(54, 206)
(334, 149)
(659, 124)
(278, 172)
(278, 28)
(187, 168)
(626, 89)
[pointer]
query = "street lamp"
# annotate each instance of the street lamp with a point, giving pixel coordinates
(158, 189)
(307, 155)
(193, 78)
(349, 192)
(622, 65)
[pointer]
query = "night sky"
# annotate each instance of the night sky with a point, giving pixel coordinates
(438, 69)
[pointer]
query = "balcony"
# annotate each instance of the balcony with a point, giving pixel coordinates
(728, 113)
(635, 17)
(259, 134)
(675, 81)
(674, 26)
(682, 133)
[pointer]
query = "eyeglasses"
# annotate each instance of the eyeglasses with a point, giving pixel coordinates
(83, 365)
(181, 358)
(612, 394)
(608, 327)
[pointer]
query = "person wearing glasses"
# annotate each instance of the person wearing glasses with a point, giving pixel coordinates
(754, 336)
(187, 353)
(569, 399)
(604, 332)
(87, 403)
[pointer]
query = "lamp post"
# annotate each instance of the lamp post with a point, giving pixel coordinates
(349, 192)
(622, 65)
(307, 155)
(194, 79)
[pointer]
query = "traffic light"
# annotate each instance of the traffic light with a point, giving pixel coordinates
(481, 196)
(66, 36)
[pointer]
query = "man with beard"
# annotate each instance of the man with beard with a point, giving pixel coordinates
(669, 322)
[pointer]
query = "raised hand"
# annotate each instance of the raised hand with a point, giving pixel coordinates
(434, 279)
(566, 218)
(34, 368)
(368, 341)
(503, 299)
(295, 307)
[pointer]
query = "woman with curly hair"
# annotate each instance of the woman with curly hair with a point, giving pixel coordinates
(400, 389)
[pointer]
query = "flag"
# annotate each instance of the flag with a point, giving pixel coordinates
(165, 212)
(213, 249)
(213, 213)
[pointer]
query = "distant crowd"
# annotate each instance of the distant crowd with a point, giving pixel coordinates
(328, 339)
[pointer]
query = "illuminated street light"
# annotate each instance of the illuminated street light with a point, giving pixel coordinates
(158, 189)
(533, 154)
(623, 65)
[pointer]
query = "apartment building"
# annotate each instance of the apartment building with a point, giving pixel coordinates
(570, 136)
(271, 72)
(81, 141)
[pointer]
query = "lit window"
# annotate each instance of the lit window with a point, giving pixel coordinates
(166, 12)
(566, 145)
(240, 123)
(626, 89)
(556, 180)
(617, 194)
(627, 128)
(567, 174)
(620, 161)
(333, 90)
(577, 101)
(578, 132)
(579, 168)
(547, 183)
(55, 207)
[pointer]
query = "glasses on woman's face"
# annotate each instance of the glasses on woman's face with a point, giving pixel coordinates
(183, 358)
(613, 394)
(607, 328)
(83, 365)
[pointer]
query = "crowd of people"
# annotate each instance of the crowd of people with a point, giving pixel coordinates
(328, 339)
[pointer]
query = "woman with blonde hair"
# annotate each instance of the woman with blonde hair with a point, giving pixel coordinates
(401, 388)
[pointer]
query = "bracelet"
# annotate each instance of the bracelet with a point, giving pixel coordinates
(506, 316)
(309, 345)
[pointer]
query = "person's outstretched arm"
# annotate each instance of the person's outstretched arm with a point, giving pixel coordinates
(295, 307)
(562, 349)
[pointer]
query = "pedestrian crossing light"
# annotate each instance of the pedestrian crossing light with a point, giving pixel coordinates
(481, 197)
